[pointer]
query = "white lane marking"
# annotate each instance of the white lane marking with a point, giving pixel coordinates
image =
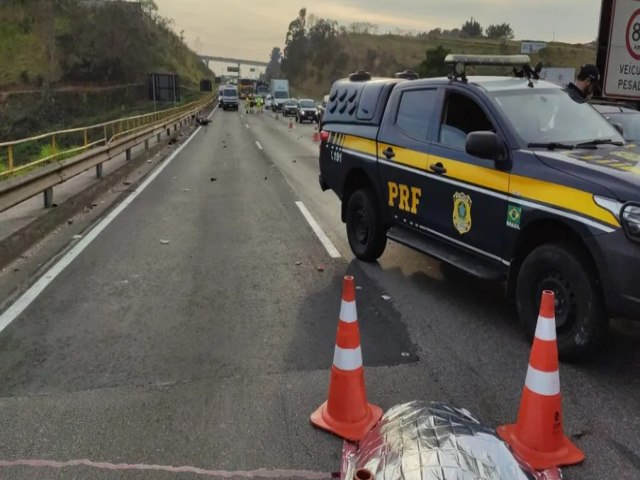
(19, 306)
(543, 383)
(246, 125)
(347, 359)
(258, 145)
(331, 249)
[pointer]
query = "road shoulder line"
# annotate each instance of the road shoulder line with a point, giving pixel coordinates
(326, 243)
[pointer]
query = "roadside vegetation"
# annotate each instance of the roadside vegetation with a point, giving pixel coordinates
(318, 50)
(57, 57)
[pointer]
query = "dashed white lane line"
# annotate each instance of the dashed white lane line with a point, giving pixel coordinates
(20, 305)
(326, 243)
(258, 145)
(246, 125)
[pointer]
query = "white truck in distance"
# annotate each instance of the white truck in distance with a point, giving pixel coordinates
(279, 90)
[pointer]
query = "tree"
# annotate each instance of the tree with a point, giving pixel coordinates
(273, 68)
(471, 28)
(365, 28)
(433, 65)
(503, 31)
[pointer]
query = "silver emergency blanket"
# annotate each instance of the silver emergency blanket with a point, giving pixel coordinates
(433, 441)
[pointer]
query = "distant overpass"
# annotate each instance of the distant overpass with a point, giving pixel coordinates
(234, 61)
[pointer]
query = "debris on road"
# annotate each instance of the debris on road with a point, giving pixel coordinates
(298, 263)
(213, 179)
(150, 161)
(186, 190)
(358, 287)
(76, 237)
(293, 161)
(386, 298)
(164, 242)
(126, 182)
(321, 268)
(265, 178)
(70, 221)
(405, 354)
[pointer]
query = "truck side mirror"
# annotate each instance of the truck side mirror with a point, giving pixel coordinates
(485, 145)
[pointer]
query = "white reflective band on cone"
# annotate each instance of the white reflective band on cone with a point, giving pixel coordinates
(546, 328)
(348, 312)
(543, 383)
(347, 358)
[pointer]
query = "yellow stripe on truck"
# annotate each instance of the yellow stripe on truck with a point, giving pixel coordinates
(359, 144)
(568, 198)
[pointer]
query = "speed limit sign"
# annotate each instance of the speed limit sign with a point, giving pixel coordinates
(633, 35)
(622, 72)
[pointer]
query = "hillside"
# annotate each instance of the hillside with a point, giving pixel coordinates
(61, 54)
(386, 54)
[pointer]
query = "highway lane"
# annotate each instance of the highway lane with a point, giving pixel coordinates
(212, 350)
(208, 351)
(469, 339)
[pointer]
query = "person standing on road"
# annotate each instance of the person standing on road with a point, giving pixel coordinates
(259, 105)
(584, 86)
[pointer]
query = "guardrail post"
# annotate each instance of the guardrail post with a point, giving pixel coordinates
(158, 139)
(175, 127)
(146, 144)
(128, 153)
(48, 197)
(53, 142)
(99, 170)
(106, 139)
(86, 139)
(10, 166)
(168, 132)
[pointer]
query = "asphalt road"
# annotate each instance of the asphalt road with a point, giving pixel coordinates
(197, 330)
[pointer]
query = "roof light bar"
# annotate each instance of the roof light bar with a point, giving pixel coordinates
(499, 60)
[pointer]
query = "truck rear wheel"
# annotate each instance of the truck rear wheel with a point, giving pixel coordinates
(581, 318)
(365, 229)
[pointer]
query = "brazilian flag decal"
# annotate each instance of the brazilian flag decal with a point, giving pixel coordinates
(514, 215)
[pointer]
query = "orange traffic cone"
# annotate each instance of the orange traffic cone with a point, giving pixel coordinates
(316, 134)
(538, 436)
(290, 124)
(346, 413)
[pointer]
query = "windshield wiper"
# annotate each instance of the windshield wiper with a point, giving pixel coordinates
(552, 146)
(600, 141)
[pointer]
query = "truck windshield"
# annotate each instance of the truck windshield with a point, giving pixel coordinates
(553, 116)
(307, 104)
(282, 94)
(230, 93)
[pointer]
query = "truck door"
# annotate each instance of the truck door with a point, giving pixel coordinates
(470, 192)
(403, 153)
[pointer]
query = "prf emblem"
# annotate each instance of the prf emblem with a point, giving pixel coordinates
(462, 212)
(404, 197)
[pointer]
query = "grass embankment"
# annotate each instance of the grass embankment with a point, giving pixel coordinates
(384, 55)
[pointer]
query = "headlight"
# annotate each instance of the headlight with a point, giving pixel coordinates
(631, 221)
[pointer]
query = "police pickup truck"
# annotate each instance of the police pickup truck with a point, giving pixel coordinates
(507, 178)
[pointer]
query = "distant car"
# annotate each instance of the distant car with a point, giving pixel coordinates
(322, 107)
(290, 107)
(229, 98)
(622, 116)
(307, 111)
(268, 102)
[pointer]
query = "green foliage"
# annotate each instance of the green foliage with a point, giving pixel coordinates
(500, 31)
(273, 68)
(472, 28)
(433, 65)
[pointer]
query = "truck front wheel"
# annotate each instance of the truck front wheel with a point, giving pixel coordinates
(581, 318)
(365, 229)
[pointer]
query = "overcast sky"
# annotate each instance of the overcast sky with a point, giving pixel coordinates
(250, 28)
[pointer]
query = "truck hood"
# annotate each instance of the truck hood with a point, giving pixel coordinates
(615, 168)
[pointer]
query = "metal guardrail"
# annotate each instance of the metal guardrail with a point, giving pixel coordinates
(114, 138)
